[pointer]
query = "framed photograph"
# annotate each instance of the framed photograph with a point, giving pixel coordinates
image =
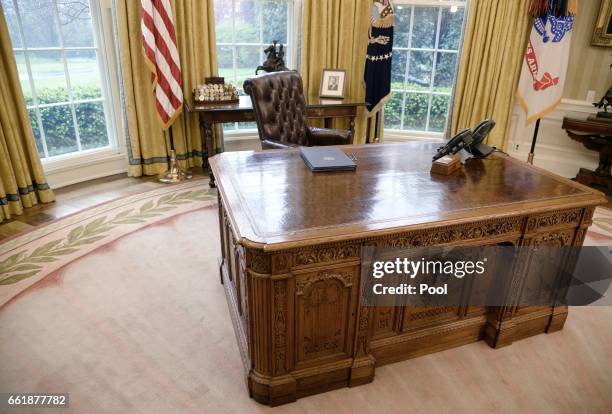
(332, 83)
(602, 33)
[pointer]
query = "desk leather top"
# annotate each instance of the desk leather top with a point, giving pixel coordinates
(274, 201)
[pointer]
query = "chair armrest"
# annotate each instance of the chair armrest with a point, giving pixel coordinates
(273, 144)
(323, 136)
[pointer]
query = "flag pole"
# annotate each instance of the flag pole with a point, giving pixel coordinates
(377, 127)
(174, 174)
(533, 142)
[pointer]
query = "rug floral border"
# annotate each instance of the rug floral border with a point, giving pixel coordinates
(33, 255)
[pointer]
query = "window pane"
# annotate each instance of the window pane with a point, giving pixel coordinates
(10, 14)
(420, 65)
(393, 111)
(275, 22)
(224, 27)
(92, 125)
(49, 70)
(36, 131)
(246, 23)
(22, 70)
(424, 27)
(223, 12)
(229, 126)
(59, 130)
(401, 31)
(244, 28)
(248, 58)
(75, 20)
(84, 74)
(445, 72)
(438, 113)
(247, 125)
(225, 63)
(49, 77)
(39, 26)
(398, 69)
(415, 112)
(450, 29)
(419, 73)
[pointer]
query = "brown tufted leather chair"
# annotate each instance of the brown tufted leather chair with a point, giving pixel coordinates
(280, 112)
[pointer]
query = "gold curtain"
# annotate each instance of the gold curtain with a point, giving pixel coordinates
(22, 180)
(335, 35)
(147, 144)
(495, 37)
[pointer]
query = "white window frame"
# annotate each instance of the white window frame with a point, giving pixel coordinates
(83, 165)
(416, 134)
(293, 16)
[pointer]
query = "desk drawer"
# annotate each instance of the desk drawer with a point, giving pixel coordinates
(331, 112)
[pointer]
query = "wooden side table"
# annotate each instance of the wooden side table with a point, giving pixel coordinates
(595, 134)
(325, 109)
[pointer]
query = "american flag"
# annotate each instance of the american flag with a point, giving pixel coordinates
(161, 54)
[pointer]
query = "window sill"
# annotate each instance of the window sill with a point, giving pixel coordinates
(71, 161)
(240, 134)
(87, 166)
(397, 134)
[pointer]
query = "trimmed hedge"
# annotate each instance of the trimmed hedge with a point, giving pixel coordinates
(415, 112)
(57, 120)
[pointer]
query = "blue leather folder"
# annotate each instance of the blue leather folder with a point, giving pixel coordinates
(326, 159)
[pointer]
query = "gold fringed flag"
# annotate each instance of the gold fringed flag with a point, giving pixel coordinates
(161, 54)
(545, 64)
(377, 75)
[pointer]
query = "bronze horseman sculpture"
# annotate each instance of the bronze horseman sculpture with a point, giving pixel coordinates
(275, 61)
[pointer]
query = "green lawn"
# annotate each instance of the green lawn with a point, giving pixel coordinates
(48, 72)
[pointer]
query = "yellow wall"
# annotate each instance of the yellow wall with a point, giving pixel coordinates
(589, 66)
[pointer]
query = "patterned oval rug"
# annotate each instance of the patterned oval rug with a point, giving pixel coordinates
(29, 257)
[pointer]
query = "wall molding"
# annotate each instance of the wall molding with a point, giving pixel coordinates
(554, 151)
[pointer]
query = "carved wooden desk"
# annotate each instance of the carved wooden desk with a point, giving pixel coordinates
(291, 245)
(325, 109)
(595, 134)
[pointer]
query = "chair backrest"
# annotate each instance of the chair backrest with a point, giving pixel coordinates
(279, 106)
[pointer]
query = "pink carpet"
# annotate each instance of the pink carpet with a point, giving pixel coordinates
(121, 307)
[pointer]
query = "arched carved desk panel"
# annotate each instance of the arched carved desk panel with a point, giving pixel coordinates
(292, 276)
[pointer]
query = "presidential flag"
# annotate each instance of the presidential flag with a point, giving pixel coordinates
(161, 54)
(377, 74)
(545, 63)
